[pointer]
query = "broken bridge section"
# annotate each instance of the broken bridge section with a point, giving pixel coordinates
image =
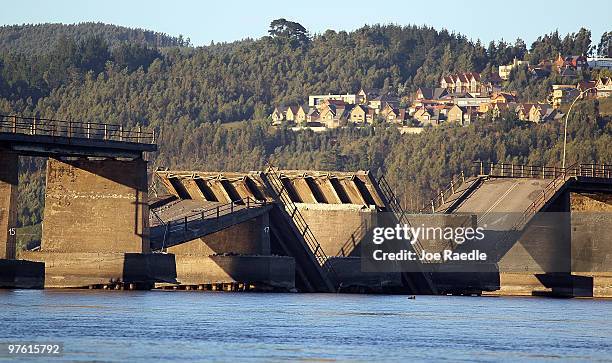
(546, 226)
(316, 218)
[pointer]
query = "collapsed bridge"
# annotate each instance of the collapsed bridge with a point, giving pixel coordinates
(316, 218)
(548, 227)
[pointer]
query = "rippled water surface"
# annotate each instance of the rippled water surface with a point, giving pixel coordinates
(197, 326)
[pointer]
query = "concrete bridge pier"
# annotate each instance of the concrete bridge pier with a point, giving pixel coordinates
(13, 273)
(95, 225)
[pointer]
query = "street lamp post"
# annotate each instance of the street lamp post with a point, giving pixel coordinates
(566, 118)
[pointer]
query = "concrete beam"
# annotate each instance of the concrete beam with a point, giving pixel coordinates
(194, 189)
(291, 191)
(176, 187)
(369, 183)
(242, 189)
(216, 186)
(352, 191)
(329, 191)
(303, 190)
(9, 168)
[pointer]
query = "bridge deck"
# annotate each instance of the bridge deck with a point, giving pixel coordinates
(499, 201)
(45, 137)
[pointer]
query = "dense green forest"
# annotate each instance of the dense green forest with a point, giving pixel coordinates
(188, 95)
(42, 38)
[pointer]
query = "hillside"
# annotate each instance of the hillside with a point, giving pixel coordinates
(42, 38)
(98, 72)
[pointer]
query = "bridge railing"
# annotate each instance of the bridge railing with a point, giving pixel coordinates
(592, 170)
(274, 177)
(444, 195)
(517, 170)
(213, 213)
(181, 226)
(549, 190)
(73, 129)
(396, 208)
(541, 171)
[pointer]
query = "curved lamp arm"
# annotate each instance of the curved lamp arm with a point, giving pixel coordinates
(566, 118)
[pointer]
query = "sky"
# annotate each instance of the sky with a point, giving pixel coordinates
(225, 21)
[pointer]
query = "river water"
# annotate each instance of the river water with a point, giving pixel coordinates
(217, 326)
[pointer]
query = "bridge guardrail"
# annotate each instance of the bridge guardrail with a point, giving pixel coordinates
(517, 170)
(292, 210)
(444, 195)
(592, 170)
(72, 129)
(213, 213)
(402, 218)
(542, 171)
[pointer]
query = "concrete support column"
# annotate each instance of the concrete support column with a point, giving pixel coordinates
(96, 206)
(9, 170)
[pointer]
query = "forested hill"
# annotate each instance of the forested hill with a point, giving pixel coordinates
(42, 38)
(104, 73)
(136, 83)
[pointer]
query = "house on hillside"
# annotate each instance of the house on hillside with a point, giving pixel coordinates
(291, 113)
(365, 95)
(278, 115)
(471, 82)
(568, 72)
(470, 101)
(359, 114)
(589, 87)
(600, 62)
(429, 116)
(540, 72)
(425, 93)
(542, 112)
(497, 109)
(461, 115)
(301, 116)
(335, 114)
(317, 100)
(504, 71)
(423, 115)
(313, 116)
(503, 97)
(393, 115)
(563, 94)
(523, 110)
(576, 62)
(378, 103)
